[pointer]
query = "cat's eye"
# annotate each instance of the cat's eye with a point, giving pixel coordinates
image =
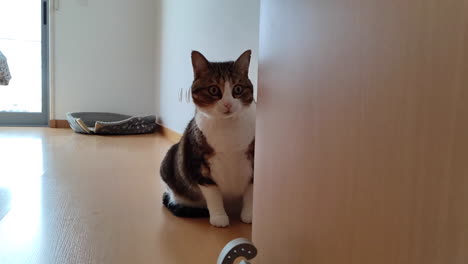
(213, 90)
(238, 90)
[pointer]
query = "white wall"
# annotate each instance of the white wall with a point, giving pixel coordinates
(104, 56)
(221, 30)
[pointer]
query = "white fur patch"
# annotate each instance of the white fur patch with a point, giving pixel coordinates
(219, 220)
(230, 139)
(246, 214)
(215, 204)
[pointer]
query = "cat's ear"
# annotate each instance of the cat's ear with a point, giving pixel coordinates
(243, 62)
(200, 64)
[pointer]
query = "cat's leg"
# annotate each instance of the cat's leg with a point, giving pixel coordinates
(247, 205)
(215, 204)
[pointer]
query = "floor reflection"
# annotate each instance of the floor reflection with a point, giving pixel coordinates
(21, 168)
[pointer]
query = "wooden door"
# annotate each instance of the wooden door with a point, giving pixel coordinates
(362, 132)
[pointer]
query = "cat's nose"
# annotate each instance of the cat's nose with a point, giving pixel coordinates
(228, 105)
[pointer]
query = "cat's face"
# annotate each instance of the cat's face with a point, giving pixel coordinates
(221, 89)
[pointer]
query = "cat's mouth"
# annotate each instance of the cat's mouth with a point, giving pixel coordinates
(228, 114)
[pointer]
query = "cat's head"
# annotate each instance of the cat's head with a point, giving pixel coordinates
(221, 89)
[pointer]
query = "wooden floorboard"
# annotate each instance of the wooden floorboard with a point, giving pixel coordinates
(95, 199)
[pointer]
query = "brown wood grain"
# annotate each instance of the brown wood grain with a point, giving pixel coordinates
(375, 168)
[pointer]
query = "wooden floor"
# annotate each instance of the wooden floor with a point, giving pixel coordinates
(90, 199)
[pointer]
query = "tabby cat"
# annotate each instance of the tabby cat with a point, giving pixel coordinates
(213, 162)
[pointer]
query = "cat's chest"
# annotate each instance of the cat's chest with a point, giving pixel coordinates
(230, 166)
(230, 139)
(226, 135)
(232, 172)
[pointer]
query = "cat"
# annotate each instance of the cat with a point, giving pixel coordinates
(213, 162)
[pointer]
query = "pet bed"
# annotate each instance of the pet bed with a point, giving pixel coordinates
(5, 75)
(110, 123)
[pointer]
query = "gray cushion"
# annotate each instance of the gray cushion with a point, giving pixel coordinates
(111, 123)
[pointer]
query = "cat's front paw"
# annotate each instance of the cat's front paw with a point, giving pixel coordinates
(219, 220)
(246, 216)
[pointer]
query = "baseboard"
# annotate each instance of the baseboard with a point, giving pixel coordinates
(170, 134)
(58, 123)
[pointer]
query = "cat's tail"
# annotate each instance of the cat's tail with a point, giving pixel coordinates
(182, 210)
